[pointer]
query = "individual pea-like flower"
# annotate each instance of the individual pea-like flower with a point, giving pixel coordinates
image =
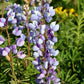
(40, 76)
(23, 36)
(20, 42)
(2, 40)
(42, 29)
(12, 20)
(40, 81)
(53, 52)
(1, 49)
(17, 32)
(14, 48)
(2, 22)
(54, 26)
(36, 15)
(20, 55)
(5, 51)
(35, 48)
(49, 44)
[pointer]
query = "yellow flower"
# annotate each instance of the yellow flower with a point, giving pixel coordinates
(76, 14)
(71, 11)
(65, 11)
(58, 10)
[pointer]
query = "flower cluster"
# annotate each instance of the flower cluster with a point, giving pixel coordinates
(42, 36)
(15, 16)
(65, 13)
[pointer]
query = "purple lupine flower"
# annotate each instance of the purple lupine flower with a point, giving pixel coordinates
(31, 26)
(2, 22)
(38, 67)
(46, 64)
(14, 48)
(35, 48)
(36, 54)
(20, 55)
(35, 62)
(49, 44)
(1, 40)
(51, 11)
(34, 17)
(40, 81)
(1, 49)
(40, 41)
(48, 80)
(14, 21)
(42, 30)
(53, 52)
(21, 27)
(40, 76)
(5, 51)
(54, 39)
(20, 42)
(54, 27)
(23, 36)
(17, 32)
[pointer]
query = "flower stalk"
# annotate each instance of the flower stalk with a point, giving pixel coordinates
(10, 54)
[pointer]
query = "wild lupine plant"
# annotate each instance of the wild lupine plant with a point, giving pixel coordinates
(44, 41)
(40, 32)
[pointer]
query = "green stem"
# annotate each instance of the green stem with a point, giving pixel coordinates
(2, 8)
(73, 66)
(67, 37)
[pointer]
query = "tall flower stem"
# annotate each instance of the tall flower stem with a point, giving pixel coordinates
(28, 36)
(2, 8)
(45, 37)
(11, 58)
